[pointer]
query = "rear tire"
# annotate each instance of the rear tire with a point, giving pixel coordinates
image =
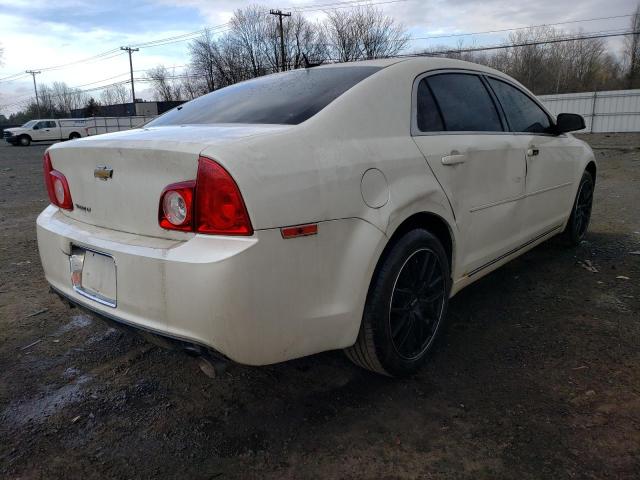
(405, 306)
(24, 141)
(578, 223)
(74, 135)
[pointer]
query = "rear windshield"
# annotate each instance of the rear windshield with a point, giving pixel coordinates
(284, 98)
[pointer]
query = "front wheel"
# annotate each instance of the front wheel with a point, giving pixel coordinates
(24, 141)
(578, 222)
(406, 303)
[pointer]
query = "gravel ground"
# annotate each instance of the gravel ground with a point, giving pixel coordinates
(537, 374)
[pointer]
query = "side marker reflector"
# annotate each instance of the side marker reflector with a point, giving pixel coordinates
(299, 231)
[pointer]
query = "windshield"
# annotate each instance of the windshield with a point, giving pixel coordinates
(30, 124)
(285, 98)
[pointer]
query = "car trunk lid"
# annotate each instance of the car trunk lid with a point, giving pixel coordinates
(116, 180)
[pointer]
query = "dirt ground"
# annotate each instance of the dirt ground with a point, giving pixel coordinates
(536, 376)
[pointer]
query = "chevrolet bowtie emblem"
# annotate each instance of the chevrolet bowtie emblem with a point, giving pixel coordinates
(103, 172)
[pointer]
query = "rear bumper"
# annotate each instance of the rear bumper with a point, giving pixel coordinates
(256, 300)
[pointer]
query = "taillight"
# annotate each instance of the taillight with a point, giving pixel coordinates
(57, 185)
(220, 209)
(212, 204)
(176, 206)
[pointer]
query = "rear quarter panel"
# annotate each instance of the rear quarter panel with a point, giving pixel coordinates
(313, 171)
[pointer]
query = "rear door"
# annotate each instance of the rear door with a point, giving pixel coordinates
(551, 164)
(461, 132)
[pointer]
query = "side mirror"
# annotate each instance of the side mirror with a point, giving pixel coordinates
(36, 127)
(569, 122)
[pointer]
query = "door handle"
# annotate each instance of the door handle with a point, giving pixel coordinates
(453, 159)
(532, 152)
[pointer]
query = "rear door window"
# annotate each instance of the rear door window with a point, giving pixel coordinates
(523, 114)
(464, 103)
(429, 118)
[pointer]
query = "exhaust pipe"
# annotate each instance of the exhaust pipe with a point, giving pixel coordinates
(210, 367)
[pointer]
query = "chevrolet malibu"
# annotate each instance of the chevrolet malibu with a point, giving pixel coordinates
(335, 207)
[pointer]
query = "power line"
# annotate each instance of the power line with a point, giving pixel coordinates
(517, 45)
(339, 5)
(326, 6)
(451, 35)
(593, 35)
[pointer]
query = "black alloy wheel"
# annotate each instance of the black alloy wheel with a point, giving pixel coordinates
(416, 305)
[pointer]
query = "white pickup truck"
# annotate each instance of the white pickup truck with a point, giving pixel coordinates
(54, 130)
(48, 130)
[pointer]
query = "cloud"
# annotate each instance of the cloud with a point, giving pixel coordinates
(40, 33)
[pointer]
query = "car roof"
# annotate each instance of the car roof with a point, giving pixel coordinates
(424, 62)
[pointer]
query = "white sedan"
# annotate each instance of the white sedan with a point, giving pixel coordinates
(335, 207)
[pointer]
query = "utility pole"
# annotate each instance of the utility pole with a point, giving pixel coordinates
(33, 73)
(280, 15)
(133, 90)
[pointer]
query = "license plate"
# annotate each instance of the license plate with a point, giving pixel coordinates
(93, 275)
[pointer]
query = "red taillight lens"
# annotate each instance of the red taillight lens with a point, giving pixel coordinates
(220, 209)
(211, 204)
(57, 185)
(176, 206)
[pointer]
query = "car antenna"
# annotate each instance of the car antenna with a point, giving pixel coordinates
(308, 64)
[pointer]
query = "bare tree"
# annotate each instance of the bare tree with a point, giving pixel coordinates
(66, 98)
(547, 60)
(249, 27)
(47, 101)
(363, 32)
(341, 37)
(114, 94)
(120, 93)
(192, 85)
(165, 88)
(203, 53)
(107, 97)
(632, 51)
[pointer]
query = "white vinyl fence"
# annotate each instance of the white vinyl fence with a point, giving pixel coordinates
(609, 111)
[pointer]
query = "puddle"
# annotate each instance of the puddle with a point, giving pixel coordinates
(77, 321)
(99, 337)
(36, 410)
(71, 373)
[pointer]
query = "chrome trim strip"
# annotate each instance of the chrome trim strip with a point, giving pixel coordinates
(519, 197)
(511, 252)
(548, 189)
(96, 298)
(499, 202)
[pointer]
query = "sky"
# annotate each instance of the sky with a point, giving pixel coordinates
(37, 34)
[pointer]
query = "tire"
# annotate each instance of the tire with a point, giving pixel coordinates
(24, 140)
(74, 135)
(578, 223)
(406, 303)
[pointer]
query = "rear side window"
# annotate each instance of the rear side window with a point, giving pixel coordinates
(523, 114)
(285, 98)
(465, 103)
(429, 119)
